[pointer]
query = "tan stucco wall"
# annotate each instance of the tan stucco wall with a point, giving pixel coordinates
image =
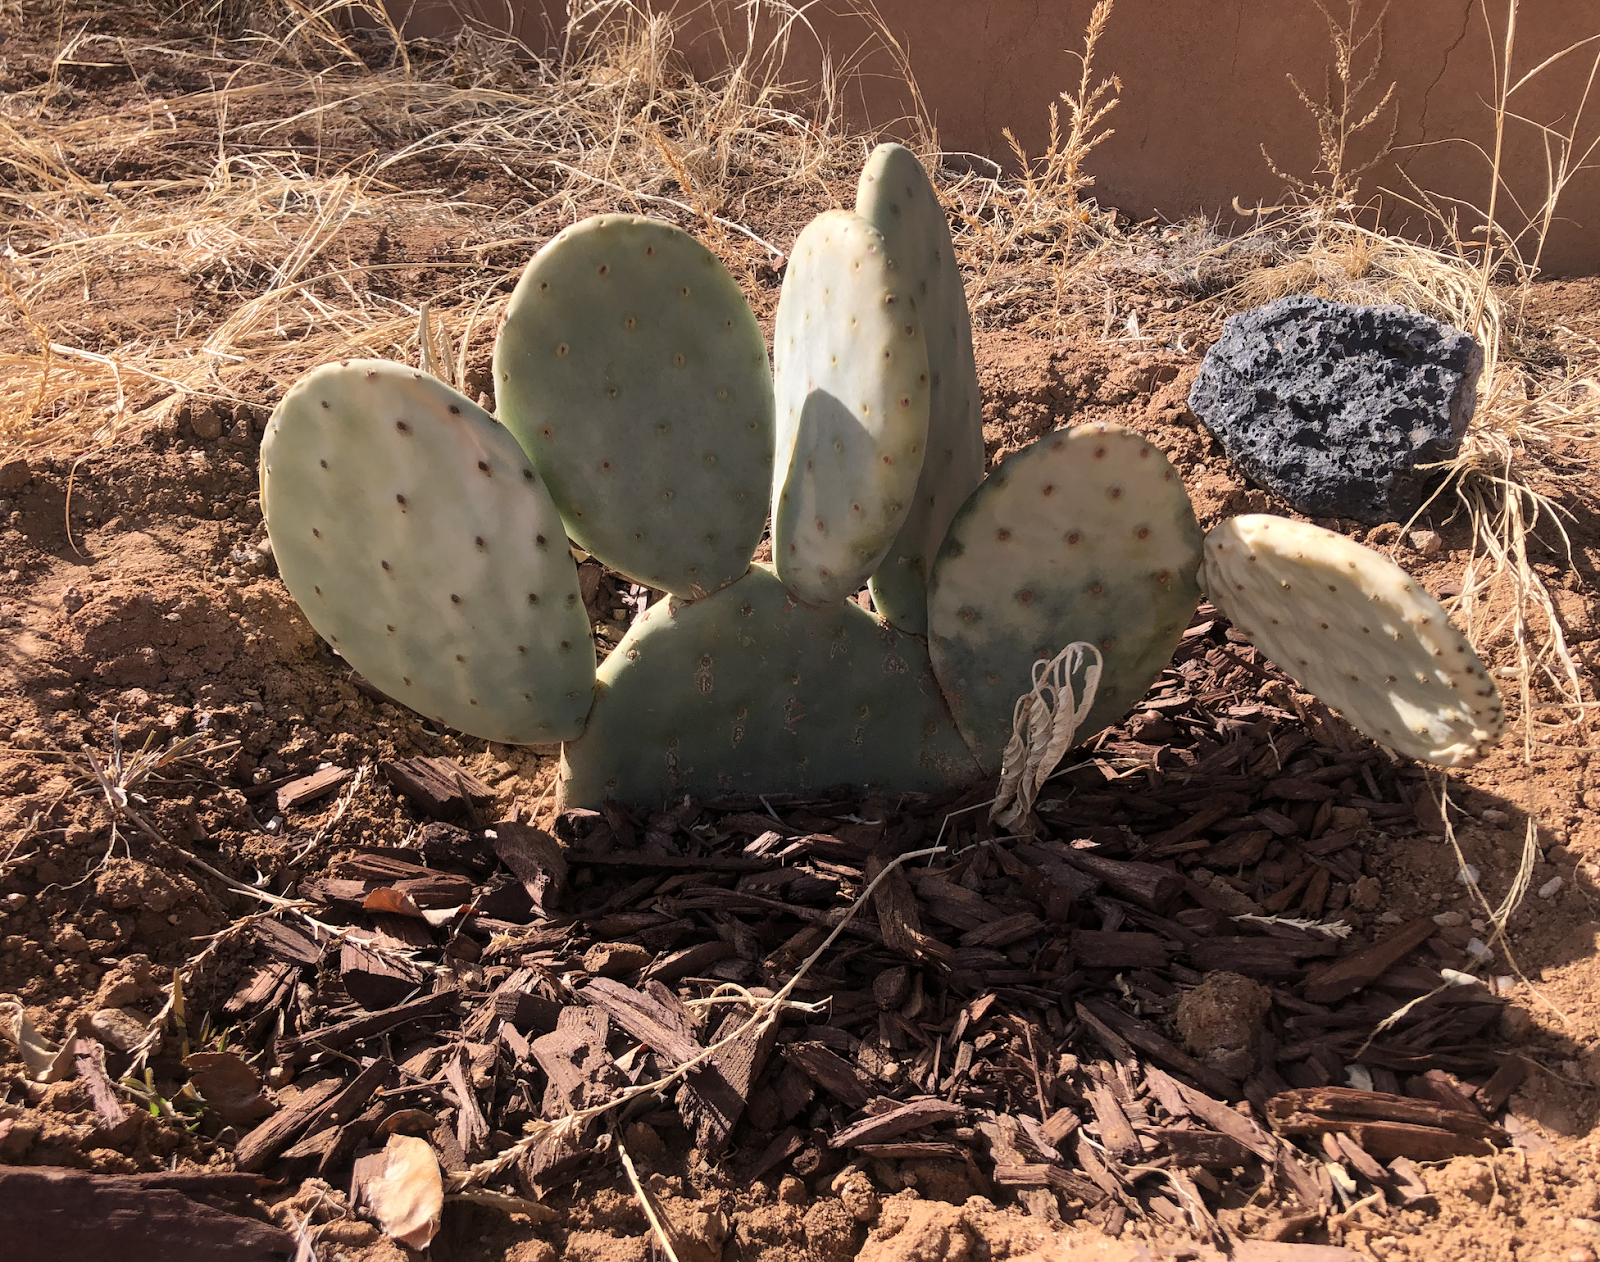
(1204, 89)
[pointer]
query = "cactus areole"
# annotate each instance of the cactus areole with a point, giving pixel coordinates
(427, 541)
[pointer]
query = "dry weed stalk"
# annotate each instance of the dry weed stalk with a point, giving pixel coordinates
(1024, 228)
(1338, 115)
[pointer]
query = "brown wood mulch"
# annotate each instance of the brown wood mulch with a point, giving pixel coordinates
(1007, 1006)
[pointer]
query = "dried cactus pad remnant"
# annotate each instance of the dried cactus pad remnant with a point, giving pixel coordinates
(421, 543)
(896, 197)
(750, 691)
(851, 378)
(1359, 632)
(1087, 535)
(634, 373)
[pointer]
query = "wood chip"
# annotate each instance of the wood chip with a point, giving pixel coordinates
(655, 1017)
(343, 1034)
(835, 1075)
(911, 1116)
(535, 858)
(1038, 1175)
(375, 981)
(287, 943)
(1152, 887)
(318, 784)
(1344, 977)
(713, 1098)
(1387, 1126)
(70, 1216)
(257, 1149)
(438, 787)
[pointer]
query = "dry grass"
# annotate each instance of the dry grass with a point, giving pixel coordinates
(251, 190)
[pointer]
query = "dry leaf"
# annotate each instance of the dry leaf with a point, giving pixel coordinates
(229, 1086)
(43, 1060)
(407, 1195)
(391, 900)
(408, 1122)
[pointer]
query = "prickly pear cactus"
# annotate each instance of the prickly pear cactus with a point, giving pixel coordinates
(895, 197)
(423, 546)
(852, 388)
(1357, 631)
(749, 691)
(1085, 535)
(633, 371)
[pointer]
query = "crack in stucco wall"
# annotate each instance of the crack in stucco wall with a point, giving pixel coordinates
(1466, 21)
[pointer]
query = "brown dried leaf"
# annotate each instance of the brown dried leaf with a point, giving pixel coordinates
(406, 1195)
(229, 1086)
(393, 901)
(43, 1060)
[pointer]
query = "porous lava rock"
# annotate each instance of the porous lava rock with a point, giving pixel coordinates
(1337, 407)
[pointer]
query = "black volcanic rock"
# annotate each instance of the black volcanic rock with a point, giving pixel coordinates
(1335, 407)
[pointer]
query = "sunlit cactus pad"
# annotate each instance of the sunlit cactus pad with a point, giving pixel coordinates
(1359, 632)
(750, 691)
(896, 197)
(634, 372)
(1087, 535)
(422, 545)
(851, 376)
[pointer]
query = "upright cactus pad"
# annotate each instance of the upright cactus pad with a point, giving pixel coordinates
(895, 197)
(1085, 535)
(750, 691)
(852, 388)
(632, 370)
(423, 546)
(1357, 631)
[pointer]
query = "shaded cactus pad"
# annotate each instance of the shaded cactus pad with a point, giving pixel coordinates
(895, 197)
(851, 373)
(1355, 629)
(749, 691)
(633, 371)
(1087, 534)
(422, 545)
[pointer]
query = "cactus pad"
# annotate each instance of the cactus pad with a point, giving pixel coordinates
(895, 197)
(851, 370)
(423, 546)
(1085, 535)
(1357, 631)
(750, 691)
(633, 371)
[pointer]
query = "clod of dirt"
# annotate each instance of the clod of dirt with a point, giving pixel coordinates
(854, 1189)
(1220, 1020)
(914, 1230)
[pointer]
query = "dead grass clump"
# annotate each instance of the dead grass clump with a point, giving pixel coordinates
(253, 206)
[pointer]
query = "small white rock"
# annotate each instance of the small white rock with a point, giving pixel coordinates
(1505, 984)
(1550, 887)
(1391, 918)
(1492, 816)
(1359, 1077)
(1479, 950)
(1468, 875)
(1449, 920)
